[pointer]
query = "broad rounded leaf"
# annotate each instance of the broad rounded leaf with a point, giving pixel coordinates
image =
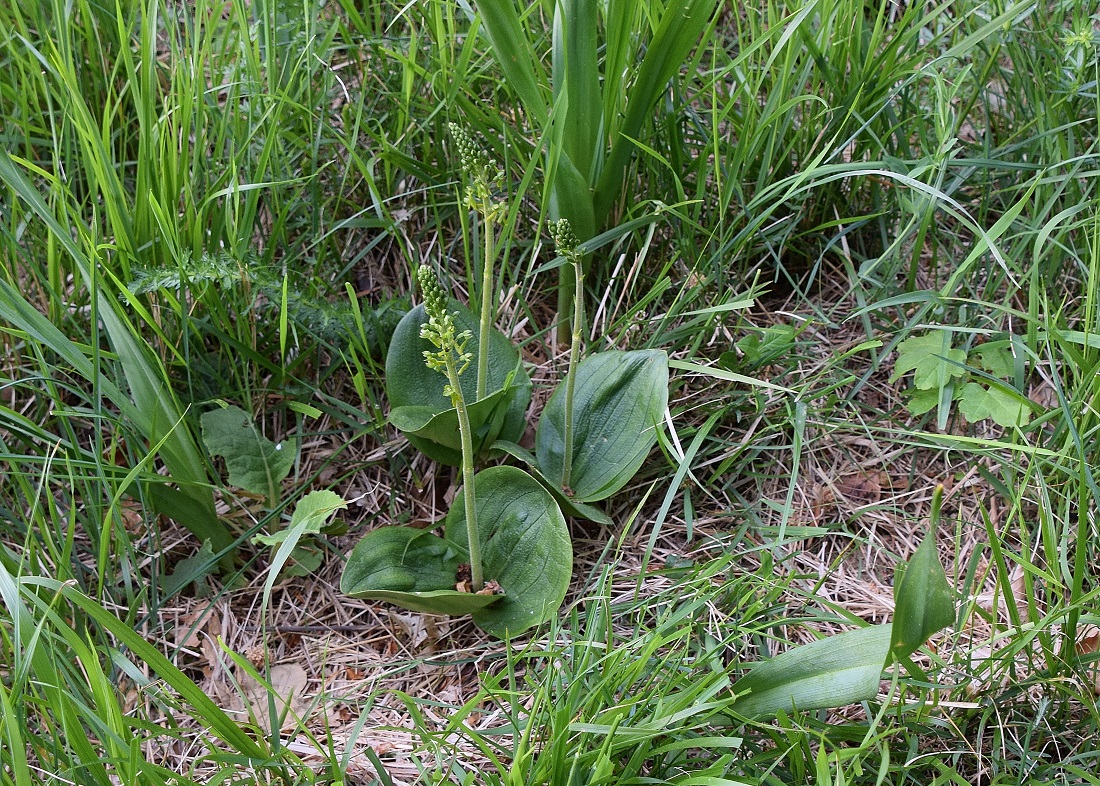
(618, 404)
(830, 672)
(571, 508)
(411, 568)
(410, 383)
(525, 548)
(436, 434)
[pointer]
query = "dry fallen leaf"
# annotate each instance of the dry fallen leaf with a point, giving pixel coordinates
(862, 488)
(288, 685)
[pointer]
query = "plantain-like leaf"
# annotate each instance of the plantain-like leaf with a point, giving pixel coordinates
(846, 668)
(924, 600)
(525, 548)
(410, 383)
(411, 568)
(618, 403)
(569, 507)
(830, 672)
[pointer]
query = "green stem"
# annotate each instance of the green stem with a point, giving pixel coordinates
(487, 315)
(472, 537)
(571, 376)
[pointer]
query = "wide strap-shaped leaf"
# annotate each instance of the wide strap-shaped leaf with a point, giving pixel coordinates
(410, 383)
(830, 672)
(618, 403)
(500, 19)
(525, 548)
(678, 32)
(411, 568)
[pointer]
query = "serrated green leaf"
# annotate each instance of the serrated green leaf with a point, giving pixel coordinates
(188, 570)
(618, 404)
(255, 463)
(996, 358)
(921, 401)
(978, 402)
(931, 359)
(310, 516)
(923, 600)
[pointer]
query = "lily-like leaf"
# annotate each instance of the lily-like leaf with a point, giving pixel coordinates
(618, 404)
(846, 668)
(411, 568)
(923, 599)
(525, 548)
(409, 383)
(830, 672)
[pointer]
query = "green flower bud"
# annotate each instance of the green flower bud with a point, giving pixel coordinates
(565, 239)
(440, 329)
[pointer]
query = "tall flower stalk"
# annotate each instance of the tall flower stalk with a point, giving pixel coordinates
(482, 177)
(565, 240)
(451, 358)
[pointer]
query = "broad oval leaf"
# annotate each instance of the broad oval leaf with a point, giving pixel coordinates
(423, 424)
(830, 672)
(411, 568)
(525, 548)
(571, 508)
(618, 404)
(410, 383)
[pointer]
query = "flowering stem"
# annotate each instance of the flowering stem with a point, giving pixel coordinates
(452, 359)
(472, 537)
(487, 315)
(566, 243)
(571, 376)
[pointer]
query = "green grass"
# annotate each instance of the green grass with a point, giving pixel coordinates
(206, 201)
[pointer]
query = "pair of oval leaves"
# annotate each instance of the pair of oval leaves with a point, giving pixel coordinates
(618, 403)
(619, 400)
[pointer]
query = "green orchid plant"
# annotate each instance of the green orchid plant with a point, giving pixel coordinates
(504, 555)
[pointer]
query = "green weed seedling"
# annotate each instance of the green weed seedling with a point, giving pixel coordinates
(258, 466)
(591, 439)
(943, 373)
